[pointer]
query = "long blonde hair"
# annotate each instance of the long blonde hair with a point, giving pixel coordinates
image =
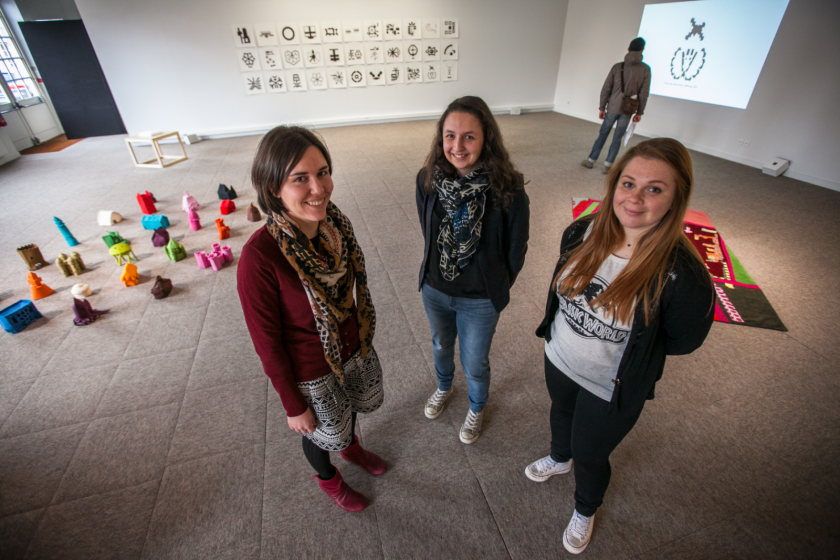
(645, 274)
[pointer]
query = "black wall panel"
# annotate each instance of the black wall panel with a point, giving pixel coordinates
(68, 65)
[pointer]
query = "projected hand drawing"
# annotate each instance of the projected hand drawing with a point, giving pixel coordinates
(319, 55)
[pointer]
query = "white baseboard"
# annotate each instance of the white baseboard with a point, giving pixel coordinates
(329, 123)
(799, 176)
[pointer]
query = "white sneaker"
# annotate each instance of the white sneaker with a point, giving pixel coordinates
(578, 532)
(472, 427)
(436, 403)
(543, 469)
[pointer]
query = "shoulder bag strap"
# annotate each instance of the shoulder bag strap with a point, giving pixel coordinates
(622, 78)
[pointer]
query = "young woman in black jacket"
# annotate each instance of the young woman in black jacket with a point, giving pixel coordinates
(628, 289)
(474, 214)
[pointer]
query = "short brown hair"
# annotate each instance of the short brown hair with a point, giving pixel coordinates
(279, 151)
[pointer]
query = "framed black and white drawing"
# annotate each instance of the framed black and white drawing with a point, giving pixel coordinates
(244, 36)
(331, 31)
(450, 50)
(373, 53)
(337, 78)
(449, 71)
(288, 33)
(270, 58)
(412, 28)
(354, 54)
(249, 59)
(295, 80)
(414, 73)
(449, 28)
(316, 78)
(431, 72)
(333, 55)
(310, 33)
(372, 29)
(274, 82)
(292, 56)
(356, 77)
(352, 30)
(266, 34)
(375, 75)
(253, 83)
(412, 51)
(391, 30)
(393, 52)
(431, 50)
(394, 74)
(431, 28)
(313, 56)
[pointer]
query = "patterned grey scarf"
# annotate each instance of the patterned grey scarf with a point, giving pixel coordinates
(464, 200)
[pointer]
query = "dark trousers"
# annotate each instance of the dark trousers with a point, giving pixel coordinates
(320, 458)
(582, 430)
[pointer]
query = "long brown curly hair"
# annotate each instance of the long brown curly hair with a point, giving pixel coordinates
(494, 158)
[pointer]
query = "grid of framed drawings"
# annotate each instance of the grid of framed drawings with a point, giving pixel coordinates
(285, 57)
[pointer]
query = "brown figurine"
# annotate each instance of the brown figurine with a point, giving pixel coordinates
(254, 214)
(31, 254)
(162, 287)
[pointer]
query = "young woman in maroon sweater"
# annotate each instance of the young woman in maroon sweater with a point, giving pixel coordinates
(297, 278)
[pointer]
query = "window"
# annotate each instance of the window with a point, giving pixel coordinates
(16, 75)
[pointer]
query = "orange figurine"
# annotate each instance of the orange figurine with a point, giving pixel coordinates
(130, 277)
(224, 231)
(38, 289)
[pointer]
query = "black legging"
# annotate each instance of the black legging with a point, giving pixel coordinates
(319, 458)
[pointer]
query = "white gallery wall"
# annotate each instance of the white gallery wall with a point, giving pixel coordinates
(172, 64)
(792, 112)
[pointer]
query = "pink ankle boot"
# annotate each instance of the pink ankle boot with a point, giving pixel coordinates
(344, 497)
(371, 462)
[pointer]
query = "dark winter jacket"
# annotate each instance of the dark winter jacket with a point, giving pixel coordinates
(678, 325)
(504, 240)
(636, 82)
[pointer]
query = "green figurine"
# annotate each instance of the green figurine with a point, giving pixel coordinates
(175, 251)
(112, 238)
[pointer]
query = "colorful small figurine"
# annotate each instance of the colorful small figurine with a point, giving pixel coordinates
(76, 264)
(201, 258)
(112, 238)
(80, 291)
(189, 203)
(150, 195)
(160, 237)
(63, 266)
(175, 251)
(108, 218)
(195, 221)
(37, 288)
(227, 207)
(18, 316)
(254, 214)
(155, 221)
(120, 251)
(129, 276)
(85, 313)
(146, 202)
(162, 287)
(32, 256)
(224, 231)
(225, 192)
(65, 232)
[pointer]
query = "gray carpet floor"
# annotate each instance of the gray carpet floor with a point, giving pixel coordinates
(153, 433)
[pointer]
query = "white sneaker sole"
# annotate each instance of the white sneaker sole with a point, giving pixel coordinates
(573, 549)
(468, 441)
(543, 478)
(433, 416)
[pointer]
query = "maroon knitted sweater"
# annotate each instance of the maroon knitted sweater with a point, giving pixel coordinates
(280, 321)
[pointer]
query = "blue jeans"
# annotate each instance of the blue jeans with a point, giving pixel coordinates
(620, 129)
(474, 321)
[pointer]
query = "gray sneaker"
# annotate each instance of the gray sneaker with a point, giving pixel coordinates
(543, 469)
(436, 403)
(578, 532)
(472, 427)
(588, 164)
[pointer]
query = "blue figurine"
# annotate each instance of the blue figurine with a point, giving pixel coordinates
(68, 237)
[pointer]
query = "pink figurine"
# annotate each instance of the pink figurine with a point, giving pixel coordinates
(189, 203)
(216, 261)
(227, 253)
(195, 221)
(201, 257)
(217, 248)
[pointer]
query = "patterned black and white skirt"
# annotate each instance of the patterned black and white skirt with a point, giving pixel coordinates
(333, 403)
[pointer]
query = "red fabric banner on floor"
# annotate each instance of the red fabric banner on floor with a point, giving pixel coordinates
(739, 299)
